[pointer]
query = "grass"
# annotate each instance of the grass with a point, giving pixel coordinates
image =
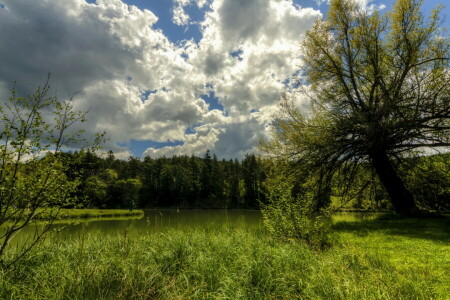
(99, 213)
(388, 259)
(85, 213)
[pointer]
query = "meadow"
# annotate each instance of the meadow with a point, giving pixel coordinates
(372, 259)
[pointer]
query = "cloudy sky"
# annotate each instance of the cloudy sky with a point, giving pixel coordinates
(163, 77)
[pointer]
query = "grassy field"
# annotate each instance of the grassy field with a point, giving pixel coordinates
(389, 259)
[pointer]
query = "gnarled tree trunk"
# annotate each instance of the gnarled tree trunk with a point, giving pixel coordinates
(400, 197)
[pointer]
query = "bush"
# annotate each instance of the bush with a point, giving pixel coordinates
(428, 178)
(294, 217)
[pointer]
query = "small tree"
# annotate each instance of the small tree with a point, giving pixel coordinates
(33, 184)
(290, 213)
(379, 88)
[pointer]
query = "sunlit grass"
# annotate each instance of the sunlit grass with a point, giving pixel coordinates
(73, 213)
(84, 213)
(390, 259)
(98, 213)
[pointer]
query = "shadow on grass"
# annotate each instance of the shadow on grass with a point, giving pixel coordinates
(435, 229)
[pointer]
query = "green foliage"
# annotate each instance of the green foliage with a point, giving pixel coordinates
(33, 170)
(290, 215)
(95, 190)
(179, 181)
(428, 177)
(128, 190)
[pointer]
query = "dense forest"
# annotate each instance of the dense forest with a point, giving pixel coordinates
(207, 182)
(179, 181)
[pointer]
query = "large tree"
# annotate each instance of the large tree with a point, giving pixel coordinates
(378, 89)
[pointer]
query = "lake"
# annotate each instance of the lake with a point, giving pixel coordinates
(160, 220)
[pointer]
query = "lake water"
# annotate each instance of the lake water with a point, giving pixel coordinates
(155, 221)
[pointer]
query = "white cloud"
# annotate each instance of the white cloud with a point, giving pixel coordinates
(180, 17)
(268, 42)
(365, 4)
(369, 6)
(198, 3)
(139, 85)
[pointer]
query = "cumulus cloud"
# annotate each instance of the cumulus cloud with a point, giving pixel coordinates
(365, 4)
(268, 47)
(180, 17)
(109, 53)
(194, 144)
(139, 85)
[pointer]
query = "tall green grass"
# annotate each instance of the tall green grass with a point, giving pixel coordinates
(99, 213)
(396, 259)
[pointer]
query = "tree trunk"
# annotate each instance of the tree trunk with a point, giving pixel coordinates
(400, 197)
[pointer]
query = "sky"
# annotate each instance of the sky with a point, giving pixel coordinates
(163, 77)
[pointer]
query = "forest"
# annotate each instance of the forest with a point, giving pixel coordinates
(175, 182)
(207, 182)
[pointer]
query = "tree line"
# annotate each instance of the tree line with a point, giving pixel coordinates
(207, 182)
(166, 182)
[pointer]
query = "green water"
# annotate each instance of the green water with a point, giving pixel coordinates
(155, 221)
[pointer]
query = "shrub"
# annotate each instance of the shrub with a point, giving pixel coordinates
(294, 217)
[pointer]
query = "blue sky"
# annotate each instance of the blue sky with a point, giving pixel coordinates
(163, 77)
(163, 9)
